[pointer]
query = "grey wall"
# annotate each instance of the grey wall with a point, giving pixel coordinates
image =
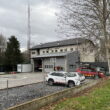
(60, 61)
(72, 59)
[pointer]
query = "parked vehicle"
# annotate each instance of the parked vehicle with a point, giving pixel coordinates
(90, 72)
(66, 78)
(80, 76)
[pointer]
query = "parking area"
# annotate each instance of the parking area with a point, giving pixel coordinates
(14, 80)
(28, 86)
(19, 95)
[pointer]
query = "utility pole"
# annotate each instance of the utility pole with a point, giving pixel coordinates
(28, 31)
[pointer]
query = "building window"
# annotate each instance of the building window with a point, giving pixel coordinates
(52, 51)
(71, 66)
(33, 52)
(56, 50)
(109, 50)
(65, 50)
(43, 51)
(48, 66)
(71, 49)
(84, 49)
(61, 50)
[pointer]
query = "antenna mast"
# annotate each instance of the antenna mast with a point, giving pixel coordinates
(28, 30)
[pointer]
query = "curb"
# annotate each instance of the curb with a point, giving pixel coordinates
(37, 103)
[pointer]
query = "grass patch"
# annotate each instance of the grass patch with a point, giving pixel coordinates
(97, 99)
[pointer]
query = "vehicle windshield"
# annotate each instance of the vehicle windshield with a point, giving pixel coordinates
(80, 74)
(70, 74)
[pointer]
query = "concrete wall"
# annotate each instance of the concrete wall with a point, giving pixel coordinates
(38, 103)
(72, 61)
(34, 53)
(24, 68)
(58, 49)
(87, 51)
(87, 57)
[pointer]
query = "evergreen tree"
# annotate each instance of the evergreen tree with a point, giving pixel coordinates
(2, 48)
(13, 55)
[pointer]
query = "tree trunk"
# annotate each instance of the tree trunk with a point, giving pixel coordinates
(105, 32)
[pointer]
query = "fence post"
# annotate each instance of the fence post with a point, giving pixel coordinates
(7, 89)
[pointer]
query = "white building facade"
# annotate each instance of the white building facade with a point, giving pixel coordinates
(47, 56)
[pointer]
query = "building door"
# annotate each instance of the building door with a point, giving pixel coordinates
(38, 65)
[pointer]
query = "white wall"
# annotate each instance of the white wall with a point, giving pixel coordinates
(58, 49)
(24, 68)
(35, 53)
(84, 49)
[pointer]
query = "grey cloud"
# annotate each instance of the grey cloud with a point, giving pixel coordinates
(13, 20)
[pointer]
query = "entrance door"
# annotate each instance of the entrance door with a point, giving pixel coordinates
(38, 65)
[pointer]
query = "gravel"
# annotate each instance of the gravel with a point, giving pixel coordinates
(25, 93)
(22, 94)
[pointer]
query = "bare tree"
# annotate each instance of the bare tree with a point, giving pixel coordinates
(89, 19)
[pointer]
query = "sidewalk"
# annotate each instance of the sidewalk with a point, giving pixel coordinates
(20, 79)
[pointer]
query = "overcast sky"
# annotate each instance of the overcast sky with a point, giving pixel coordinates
(13, 20)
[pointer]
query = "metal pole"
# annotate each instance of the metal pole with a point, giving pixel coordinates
(54, 63)
(29, 31)
(7, 89)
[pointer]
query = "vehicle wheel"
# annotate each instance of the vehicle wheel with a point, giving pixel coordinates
(71, 84)
(50, 82)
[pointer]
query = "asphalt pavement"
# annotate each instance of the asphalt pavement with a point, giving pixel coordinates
(20, 79)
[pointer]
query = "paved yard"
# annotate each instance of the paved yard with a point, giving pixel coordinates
(20, 79)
